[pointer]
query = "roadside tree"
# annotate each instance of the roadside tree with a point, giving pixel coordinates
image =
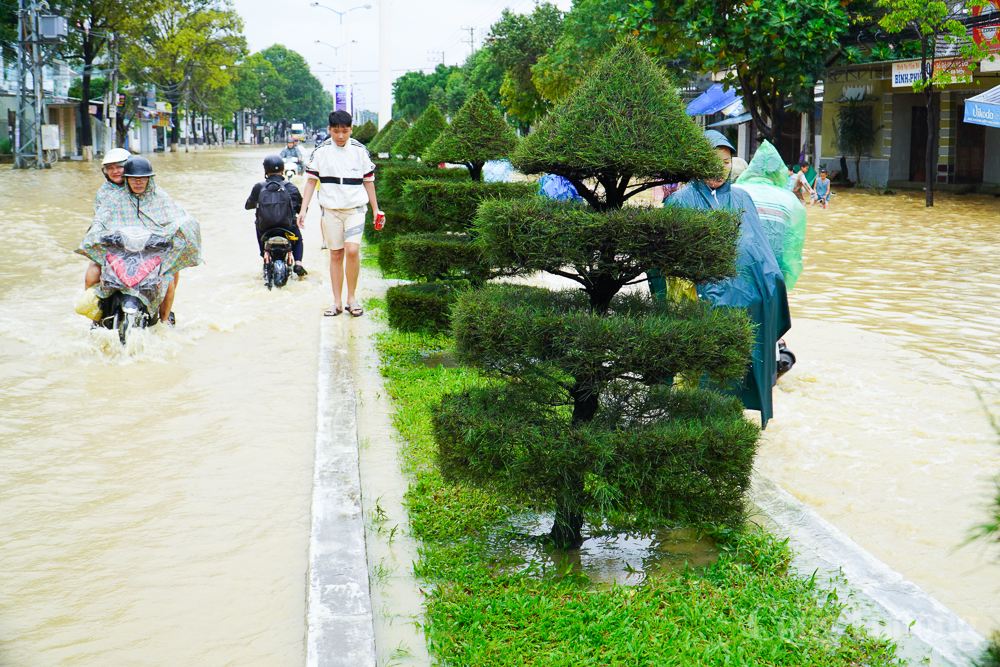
(856, 130)
(934, 23)
(772, 51)
(422, 134)
(100, 20)
(582, 416)
(180, 38)
(476, 136)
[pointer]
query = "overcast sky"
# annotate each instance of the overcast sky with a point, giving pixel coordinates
(421, 31)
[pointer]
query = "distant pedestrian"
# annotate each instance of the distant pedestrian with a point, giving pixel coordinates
(345, 175)
(800, 185)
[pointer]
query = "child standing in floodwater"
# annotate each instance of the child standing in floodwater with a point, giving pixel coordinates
(822, 192)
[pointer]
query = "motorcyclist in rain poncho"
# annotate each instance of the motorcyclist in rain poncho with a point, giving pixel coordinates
(142, 204)
(782, 215)
(759, 288)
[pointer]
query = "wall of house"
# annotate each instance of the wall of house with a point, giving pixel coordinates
(991, 167)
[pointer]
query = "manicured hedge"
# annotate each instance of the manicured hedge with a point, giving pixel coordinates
(424, 307)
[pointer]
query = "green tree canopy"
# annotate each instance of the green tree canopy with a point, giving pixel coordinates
(422, 134)
(514, 45)
(933, 22)
(773, 51)
(103, 18)
(305, 99)
(412, 92)
(181, 37)
(587, 33)
(477, 135)
(626, 121)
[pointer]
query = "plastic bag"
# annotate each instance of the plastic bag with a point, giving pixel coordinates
(557, 187)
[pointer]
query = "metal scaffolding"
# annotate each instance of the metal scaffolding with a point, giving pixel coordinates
(35, 32)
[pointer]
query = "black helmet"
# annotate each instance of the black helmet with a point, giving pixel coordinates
(274, 164)
(138, 166)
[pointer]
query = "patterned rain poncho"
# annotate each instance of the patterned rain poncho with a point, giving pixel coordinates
(782, 215)
(106, 192)
(153, 210)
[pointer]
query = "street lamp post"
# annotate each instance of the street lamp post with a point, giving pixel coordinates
(350, 89)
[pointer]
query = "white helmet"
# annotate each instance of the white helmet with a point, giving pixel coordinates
(116, 155)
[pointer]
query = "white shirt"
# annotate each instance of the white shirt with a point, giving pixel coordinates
(329, 163)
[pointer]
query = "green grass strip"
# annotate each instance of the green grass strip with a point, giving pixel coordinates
(487, 606)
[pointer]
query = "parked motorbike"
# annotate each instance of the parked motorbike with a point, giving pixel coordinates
(132, 280)
(278, 259)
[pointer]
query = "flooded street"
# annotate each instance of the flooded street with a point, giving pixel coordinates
(154, 500)
(877, 427)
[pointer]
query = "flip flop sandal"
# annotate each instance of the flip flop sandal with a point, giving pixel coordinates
(172, 319)
(332, 311)
(355, 309)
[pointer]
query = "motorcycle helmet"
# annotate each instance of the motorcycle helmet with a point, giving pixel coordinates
(116, 155)
(138, 167)
(274, 164)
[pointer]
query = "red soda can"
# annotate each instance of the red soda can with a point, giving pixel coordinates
(379, 221)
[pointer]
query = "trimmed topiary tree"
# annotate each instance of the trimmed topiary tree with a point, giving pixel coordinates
(422, 134)
(476, 136)
(379, 136)
(391, 177)
(447, 254)
(385, 145)
(590, 420)
(365, 133)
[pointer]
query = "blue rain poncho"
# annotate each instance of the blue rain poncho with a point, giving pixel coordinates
(782, 215)
(759, 289)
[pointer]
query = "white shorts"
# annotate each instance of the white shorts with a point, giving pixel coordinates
(343, 225)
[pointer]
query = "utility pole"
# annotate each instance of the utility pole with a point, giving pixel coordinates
(112, 111)
(472, 38)
(27, 140)
(384, 56)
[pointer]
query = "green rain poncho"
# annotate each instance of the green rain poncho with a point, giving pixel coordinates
(153, 210)
(782, 215)
(759, 289)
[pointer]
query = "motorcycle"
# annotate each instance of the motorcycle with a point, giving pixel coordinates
(292, 166)
(132, 280)
(278, 259)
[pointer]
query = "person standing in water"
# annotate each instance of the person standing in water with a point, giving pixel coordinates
(344, 172)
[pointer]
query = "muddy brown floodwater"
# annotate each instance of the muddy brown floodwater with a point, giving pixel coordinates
(154, 500)
(878, 426)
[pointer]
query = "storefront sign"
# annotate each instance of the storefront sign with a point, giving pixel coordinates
(987, 35)
(981, 113)
(904, 74)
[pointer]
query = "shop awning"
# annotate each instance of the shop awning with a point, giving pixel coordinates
(735, 120)
(984, 108)
(713, 100)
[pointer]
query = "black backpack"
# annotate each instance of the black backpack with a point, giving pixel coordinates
(274, 206)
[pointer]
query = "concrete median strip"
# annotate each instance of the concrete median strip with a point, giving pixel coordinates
(340, 632)
(925, 630)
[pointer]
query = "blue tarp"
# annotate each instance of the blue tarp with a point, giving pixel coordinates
(713, 100)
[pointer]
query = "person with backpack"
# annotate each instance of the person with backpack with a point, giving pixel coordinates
(277, 202)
